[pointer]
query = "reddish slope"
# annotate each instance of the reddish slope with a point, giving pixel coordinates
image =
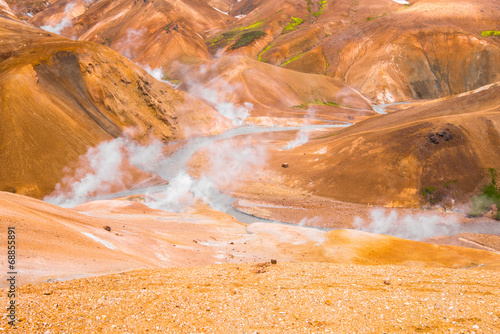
(386, 50)
(446, 144)
(155, 33)
(62, 96)
(6, 11)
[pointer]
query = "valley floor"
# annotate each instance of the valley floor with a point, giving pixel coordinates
(267, 298)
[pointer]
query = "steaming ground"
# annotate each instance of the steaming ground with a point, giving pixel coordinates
(228, 169)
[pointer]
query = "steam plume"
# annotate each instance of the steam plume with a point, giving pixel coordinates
(64, 23)
(407, 227)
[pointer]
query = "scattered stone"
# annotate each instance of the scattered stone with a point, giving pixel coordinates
(107, 228)
(195, 241)
(445, 135)
(387, 282)
(284, 165)
(273, 261)
(433, 138)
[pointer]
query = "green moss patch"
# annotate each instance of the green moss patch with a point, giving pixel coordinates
(316, 102)
(489, 196)
(487, 33)
(247, 38)
(322, 7)
(262, 52)
(293, 25)
(242, 35)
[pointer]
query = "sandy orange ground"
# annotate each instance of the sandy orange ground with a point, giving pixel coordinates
(282, 298)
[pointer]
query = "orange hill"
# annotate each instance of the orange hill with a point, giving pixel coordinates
(446, 144)
(60, 97)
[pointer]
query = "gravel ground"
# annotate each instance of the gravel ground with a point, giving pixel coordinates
(265, 298)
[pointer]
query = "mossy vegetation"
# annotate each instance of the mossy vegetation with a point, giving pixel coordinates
(168, 26)
(262, 52)
(327, 64)
(316, 102)
(427, 193)
(322, 7)
(255, 25)
(490, 196)
(487, 33)
(296, 21)
(247, 38)
(242, 35)
(292, 59)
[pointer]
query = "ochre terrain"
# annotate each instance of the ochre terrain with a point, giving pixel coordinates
(172, 73)
(60, 97)
(388, 51)
(447, 144)
(60, 244)
(265, 298)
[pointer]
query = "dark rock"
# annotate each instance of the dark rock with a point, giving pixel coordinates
(433, 138)
(284, 165)
(445, 134)
(273, 261)
(107, 228)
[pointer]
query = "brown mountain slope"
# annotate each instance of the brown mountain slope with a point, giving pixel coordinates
(446, 144)
(155, 33)
(59, 97)
(390, 52)
(386, 50)
(6, 11)
(273, 91)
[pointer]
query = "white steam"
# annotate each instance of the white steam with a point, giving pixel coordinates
(130, 43)
(236, 114)
(229, 162)
(315, 221)
(301, 138)
(63, 24)
(106, 169)
(103, 169)
(157, 73)
(303, 135)
(407, 227)
(219, 97)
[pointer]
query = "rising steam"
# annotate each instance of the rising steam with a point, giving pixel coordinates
(107, 168)
(104, 169)
(303, 134)
(219, 96)
(64, 23)
(228, 163)
(408, 227)
(130, 43)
